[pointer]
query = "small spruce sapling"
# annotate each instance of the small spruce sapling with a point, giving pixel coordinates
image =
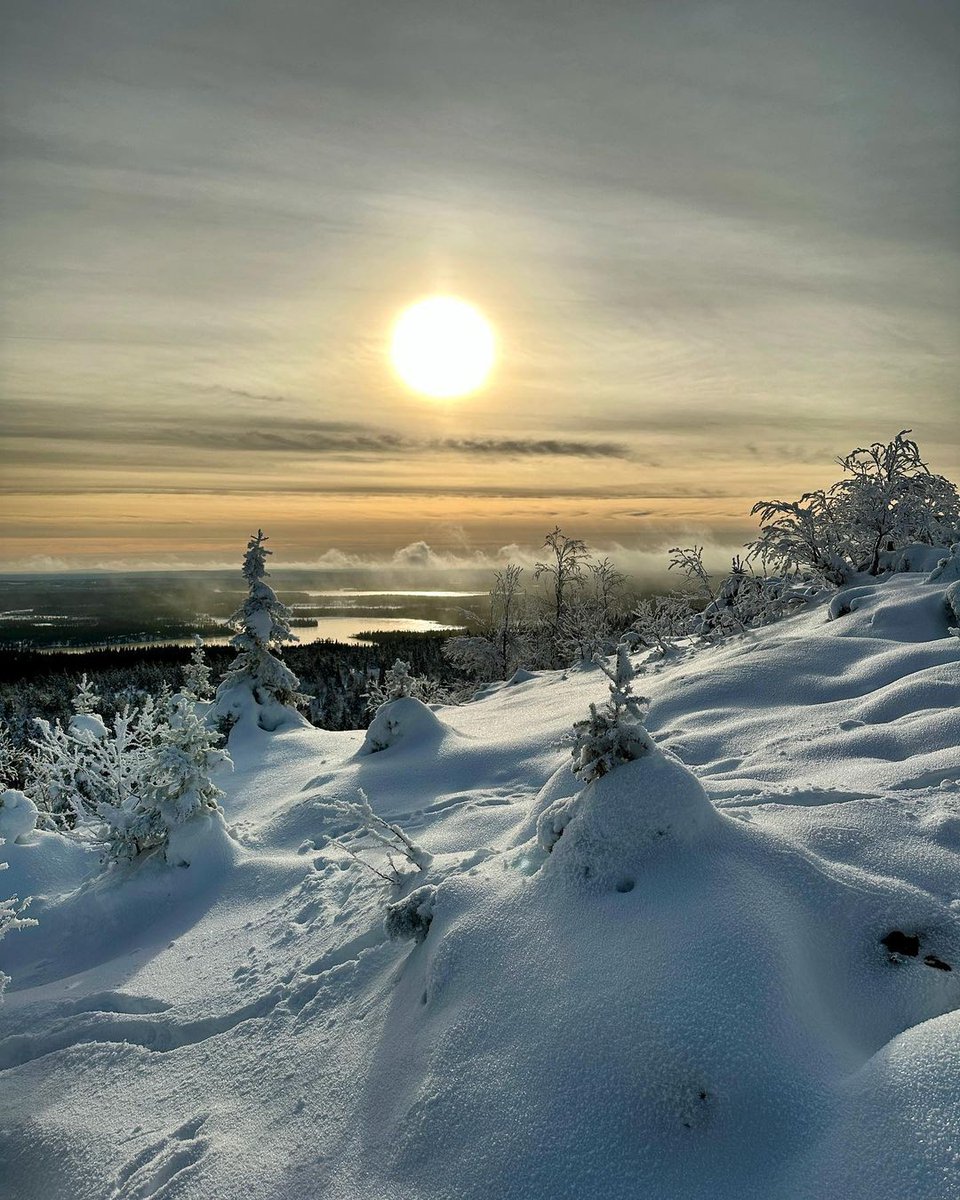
(614, 732)
(196, 674)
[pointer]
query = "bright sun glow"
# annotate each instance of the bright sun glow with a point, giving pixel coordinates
(443, 347)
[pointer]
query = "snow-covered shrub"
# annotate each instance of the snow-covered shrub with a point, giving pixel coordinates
(496, 648)
(70, 772)
(614, 733)
(378, 833)
(662, 621)
(721, 605)
(257, 676)
(601, 837)
(891, 498)
(805, 535)
(409, 919)
(594, 615)
(12, 759)
(475, 655)
(175, 787)
(398, 682)
(11, 918)
(887, 499)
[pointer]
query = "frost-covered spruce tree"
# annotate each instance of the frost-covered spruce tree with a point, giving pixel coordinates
(86, 699)
(614, 732)
(257, 676)
(196, 674)
(397, 682)
(175, 786)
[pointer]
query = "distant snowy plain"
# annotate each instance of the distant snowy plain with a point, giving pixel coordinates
(689, 997)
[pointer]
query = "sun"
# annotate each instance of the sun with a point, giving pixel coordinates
(443, 347)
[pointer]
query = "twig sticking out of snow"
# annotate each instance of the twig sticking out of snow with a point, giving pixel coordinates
(394, 840)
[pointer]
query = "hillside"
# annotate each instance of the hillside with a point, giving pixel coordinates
(695, 994)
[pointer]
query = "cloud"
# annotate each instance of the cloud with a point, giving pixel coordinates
(283, 436)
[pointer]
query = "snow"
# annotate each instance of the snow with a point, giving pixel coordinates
(88, 725)
(677, 989)
(406, 720)
(18, 815)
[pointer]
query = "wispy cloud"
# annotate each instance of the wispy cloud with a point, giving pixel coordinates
(277, 434)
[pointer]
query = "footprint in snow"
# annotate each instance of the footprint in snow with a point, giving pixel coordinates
(161, 1170)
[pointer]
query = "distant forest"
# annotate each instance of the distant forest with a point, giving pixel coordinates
(335, 676)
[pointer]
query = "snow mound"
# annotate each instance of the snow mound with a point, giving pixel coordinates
(18, 815)
(947, 569)
(602, 836)
(88, 725)
(405, 720)
(202, 842)
(246, 709)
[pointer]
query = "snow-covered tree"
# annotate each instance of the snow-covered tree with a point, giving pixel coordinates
(398, 682)
(890, 498)
(563, 569)
(175, 786)
(196, 674)
(613, 733)
(607, 586)
(887, 499)
(499, 646)
(86, 699)
(262, 625)
(507, 605)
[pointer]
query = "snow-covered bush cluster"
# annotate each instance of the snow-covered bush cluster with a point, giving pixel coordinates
(174, 785)
(887, 499)
(128, 785)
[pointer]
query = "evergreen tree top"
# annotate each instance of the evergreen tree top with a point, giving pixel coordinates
(255, 558)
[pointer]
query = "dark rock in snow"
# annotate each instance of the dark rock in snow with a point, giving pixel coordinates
(901, 943)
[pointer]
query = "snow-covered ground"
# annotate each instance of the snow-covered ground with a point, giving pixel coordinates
(689, 996)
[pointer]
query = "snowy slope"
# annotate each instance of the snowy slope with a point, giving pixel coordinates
(688, 997)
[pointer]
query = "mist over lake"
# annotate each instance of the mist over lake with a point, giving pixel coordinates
(79, 609)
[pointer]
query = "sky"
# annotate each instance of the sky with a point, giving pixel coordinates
(719, 244)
